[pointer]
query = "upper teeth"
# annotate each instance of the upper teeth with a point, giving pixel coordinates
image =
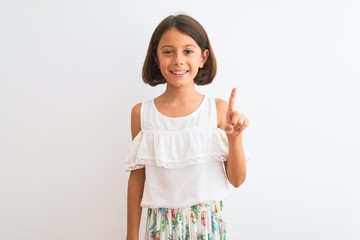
(179, 72)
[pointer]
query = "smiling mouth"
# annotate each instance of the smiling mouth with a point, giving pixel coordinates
(179, 73)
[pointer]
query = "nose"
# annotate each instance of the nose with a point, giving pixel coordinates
(178, 60)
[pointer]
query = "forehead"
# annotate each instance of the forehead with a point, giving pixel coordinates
(175, 38)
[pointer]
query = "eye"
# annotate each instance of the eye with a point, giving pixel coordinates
(167, 52)
(188, 51)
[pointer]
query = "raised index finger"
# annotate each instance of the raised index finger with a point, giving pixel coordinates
(232, 100)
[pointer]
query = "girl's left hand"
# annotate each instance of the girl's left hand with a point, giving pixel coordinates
(236, 122)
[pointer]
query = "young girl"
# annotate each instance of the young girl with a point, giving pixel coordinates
(186, 147)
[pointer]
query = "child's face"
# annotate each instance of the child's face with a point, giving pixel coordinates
(179, 57)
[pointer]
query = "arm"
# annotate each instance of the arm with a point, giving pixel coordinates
(233, 123)
(135, 185)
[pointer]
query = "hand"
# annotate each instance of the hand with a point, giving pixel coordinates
(236, 122)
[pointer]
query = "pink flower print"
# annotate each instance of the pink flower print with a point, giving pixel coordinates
(222, 226)
(203, 218)
(172, 215)
(192, 216)
(156, 237)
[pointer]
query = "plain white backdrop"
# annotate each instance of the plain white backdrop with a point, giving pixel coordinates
(70, 72)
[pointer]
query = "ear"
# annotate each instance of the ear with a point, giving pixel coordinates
(204, 57)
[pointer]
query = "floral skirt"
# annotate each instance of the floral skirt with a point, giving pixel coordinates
(198, 222)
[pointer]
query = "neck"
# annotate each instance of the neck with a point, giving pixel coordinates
(180, 93)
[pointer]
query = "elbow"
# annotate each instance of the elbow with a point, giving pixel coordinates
(236, 183)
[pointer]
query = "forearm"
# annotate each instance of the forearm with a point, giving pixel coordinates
(135, 191)
(236, 165)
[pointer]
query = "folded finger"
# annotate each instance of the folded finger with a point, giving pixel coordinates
(235, 118)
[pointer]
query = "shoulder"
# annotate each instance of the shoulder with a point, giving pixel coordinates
(221, 109)
(135, 120)
(221, 104)
(135, 111)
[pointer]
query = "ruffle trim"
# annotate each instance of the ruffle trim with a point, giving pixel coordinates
(177, 149)
(141, 163)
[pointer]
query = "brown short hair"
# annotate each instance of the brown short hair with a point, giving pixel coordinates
(151, 73)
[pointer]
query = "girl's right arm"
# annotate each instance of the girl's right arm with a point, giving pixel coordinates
(135, 185)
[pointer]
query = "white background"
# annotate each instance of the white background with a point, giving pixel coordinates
(70, 72)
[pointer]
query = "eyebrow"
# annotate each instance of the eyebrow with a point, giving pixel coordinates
(188, 45)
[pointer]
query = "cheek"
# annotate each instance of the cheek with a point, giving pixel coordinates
(164, 62)
(159, 61)
(163, 67)
(196, 63)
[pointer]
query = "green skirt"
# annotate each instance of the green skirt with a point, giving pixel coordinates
(199, 222)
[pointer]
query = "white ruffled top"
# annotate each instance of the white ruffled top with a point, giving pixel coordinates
(183, 157)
